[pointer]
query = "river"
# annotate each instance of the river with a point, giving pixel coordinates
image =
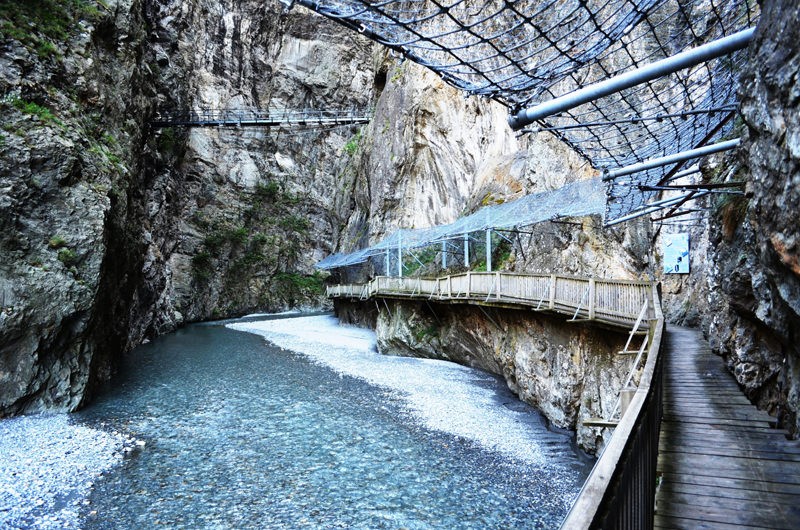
(297, 422)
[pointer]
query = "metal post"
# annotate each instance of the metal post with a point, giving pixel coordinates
(683, 156)
(444, 254)
(641, 75)
(488, 250)
(466, 250)
(386, 270)
(400, 255)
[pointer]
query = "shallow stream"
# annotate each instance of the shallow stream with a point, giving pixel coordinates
(241, 433)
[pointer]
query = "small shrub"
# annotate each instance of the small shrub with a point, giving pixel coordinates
(46, 49)
(57, 242)
(295, 223)
(352, 145)
(67, 257)
(237, 236)
(202, 265)
(293, 284)
(34, 109)
(270, 191)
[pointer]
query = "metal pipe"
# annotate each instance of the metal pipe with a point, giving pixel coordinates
(655, 206)
(488, 250)
(641, 75)
(684, 173)
(466, 250)
(676, 158)
(444, 254)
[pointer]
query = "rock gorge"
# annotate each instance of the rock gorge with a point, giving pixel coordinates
(112, 232)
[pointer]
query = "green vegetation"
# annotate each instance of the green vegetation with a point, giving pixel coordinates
(37, 24)
(202, 265)
(167, 140)
(67, 257)
(34, 109)
(411, 266)
(352, 145)
(295, 285)
(423, 334)
(269, 191)
(57, 242)
(295, 223)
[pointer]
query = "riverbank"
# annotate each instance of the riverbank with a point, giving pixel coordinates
(48, 467)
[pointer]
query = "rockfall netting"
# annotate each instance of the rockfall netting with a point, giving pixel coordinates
(523, 52)
(574, 200)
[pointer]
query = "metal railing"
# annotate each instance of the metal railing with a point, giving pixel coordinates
(260, 118)
(616, 302)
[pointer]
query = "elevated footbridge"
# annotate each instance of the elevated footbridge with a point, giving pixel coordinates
(272, 117)
(624, 304)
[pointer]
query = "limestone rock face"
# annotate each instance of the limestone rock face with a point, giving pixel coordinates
(113, 232)
(755, 311)
(568, 373)
(71, 125)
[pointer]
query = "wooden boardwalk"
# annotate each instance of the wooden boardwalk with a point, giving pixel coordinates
(722, 465)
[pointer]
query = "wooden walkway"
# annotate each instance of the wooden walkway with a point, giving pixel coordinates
(722, 465)
(618, 303)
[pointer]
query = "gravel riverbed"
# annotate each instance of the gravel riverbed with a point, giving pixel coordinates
(48, 466)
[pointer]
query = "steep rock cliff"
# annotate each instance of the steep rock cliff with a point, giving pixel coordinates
(755, 278)
(113, 232)
(74, 94)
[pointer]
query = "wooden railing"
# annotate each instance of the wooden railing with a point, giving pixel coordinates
(620, 491)
(616, 302)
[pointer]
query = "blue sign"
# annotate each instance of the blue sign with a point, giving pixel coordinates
(676, 253)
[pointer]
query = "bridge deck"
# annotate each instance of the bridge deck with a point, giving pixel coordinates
(721, 462)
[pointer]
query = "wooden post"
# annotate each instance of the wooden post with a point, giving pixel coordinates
(499, 286)
(625, 398)
(469, 283)
(552, 291)
(591, 299)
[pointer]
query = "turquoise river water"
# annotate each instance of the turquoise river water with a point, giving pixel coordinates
(241, 433)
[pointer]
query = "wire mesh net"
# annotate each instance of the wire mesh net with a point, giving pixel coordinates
(522, 52)
(580, 198)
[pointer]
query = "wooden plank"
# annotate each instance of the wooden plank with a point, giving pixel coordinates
(740, 452)
(728, 482)
(693, 441)
(734, 466)
(676, 413)
(747, 515)
(760, 504)
(681, 523)
(728, 493)
(769, 481)
(730, 430)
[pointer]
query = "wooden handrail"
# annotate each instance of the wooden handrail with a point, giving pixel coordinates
(620, 490)
(615, 302)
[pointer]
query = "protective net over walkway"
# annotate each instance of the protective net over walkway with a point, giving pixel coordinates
(524, 52)
(574, 200)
